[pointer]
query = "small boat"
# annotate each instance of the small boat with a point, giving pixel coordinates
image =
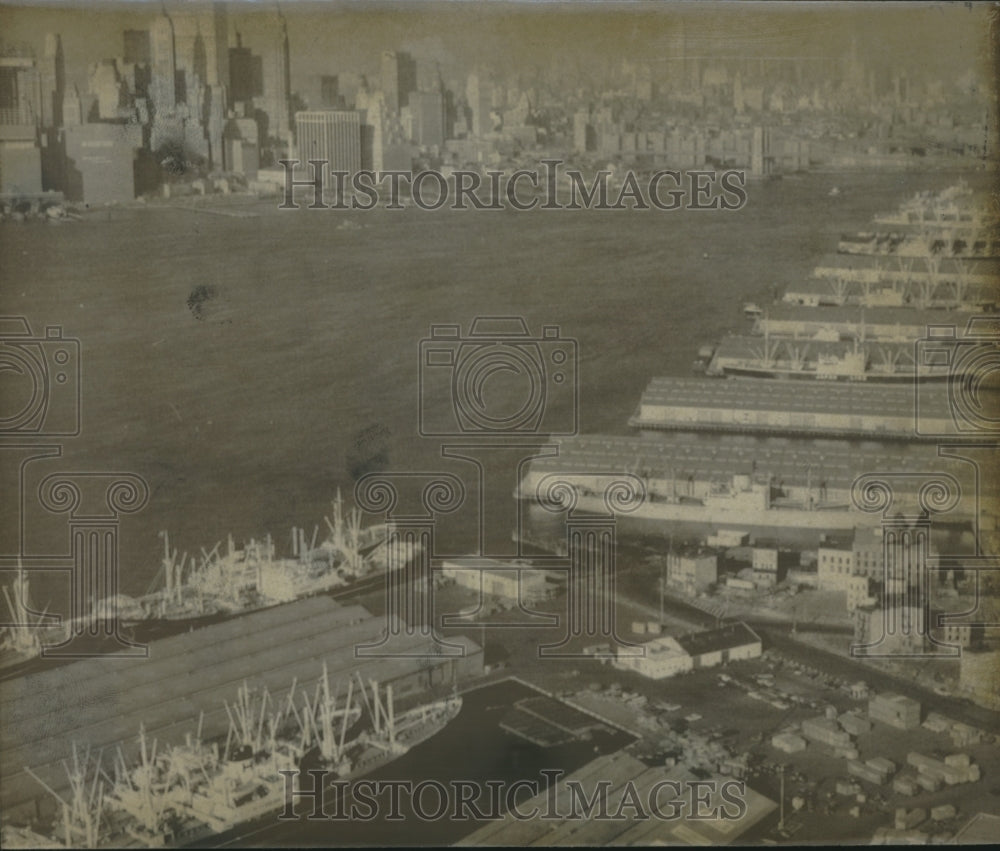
(751, 310)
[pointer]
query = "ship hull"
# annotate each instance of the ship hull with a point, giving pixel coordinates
(807, 375)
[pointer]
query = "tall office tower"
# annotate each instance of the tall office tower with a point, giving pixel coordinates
(72, 108)
(277, 81)
(245, 73)
(105, 82)
(20, 90)
(163, 74)
(330, 135)
(201, 41)
(137, 49)
(428, 76)
(427, 109)
(53, 81)
(399, 79)
(479, 95)
(329, 91)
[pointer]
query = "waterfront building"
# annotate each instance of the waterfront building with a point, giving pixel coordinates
(508, 581)
(331, 135)
(692, 570)
(100, 162)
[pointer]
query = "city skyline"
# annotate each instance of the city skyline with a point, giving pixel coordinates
(921, 40)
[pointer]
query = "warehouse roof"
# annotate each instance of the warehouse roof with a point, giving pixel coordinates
(860, 398)
(718, 458)
(714, 640)
(624, 773)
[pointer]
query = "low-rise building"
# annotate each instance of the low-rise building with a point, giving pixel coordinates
(896, 710)
(692, 570)
(729, 643)
(509, 581)
(663, 657)
(765, 563)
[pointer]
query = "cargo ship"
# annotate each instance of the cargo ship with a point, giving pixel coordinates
(883, 361)
(182, 794)
(221, 583)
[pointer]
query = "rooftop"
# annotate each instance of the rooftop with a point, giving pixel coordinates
(802, 397)
(713, 640)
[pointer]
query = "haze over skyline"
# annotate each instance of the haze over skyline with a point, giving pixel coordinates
(576, 42)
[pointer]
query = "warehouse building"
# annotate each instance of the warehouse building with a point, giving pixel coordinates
(507, 580)
(731, 643)
(657, 788)
(886, 412)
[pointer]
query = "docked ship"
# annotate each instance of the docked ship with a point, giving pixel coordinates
(181, 794)
(882, 361)
(221, 582)
(726, 481)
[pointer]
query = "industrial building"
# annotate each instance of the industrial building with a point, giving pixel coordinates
(666, 656)
(692, 569)
(623, 775)
(730, 643)
(194, 673)
(663, 657)
(101, 161)
(684, 469)
(805, 408)
(330, 135)
(509, 581)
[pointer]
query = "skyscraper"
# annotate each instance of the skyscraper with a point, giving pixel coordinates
(427, 109)
(331, 135)
(20, 91)
(277, 81)
(399, 79)
(162, 85)
(53, 81)
(479, 95)
(201, 42)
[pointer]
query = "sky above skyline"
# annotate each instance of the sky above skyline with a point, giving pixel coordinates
(944, 40)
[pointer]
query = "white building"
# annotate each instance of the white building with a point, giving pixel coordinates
(664, 657)
(506, 580)
(692, 570)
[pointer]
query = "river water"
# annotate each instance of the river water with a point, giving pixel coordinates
(248, 367)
